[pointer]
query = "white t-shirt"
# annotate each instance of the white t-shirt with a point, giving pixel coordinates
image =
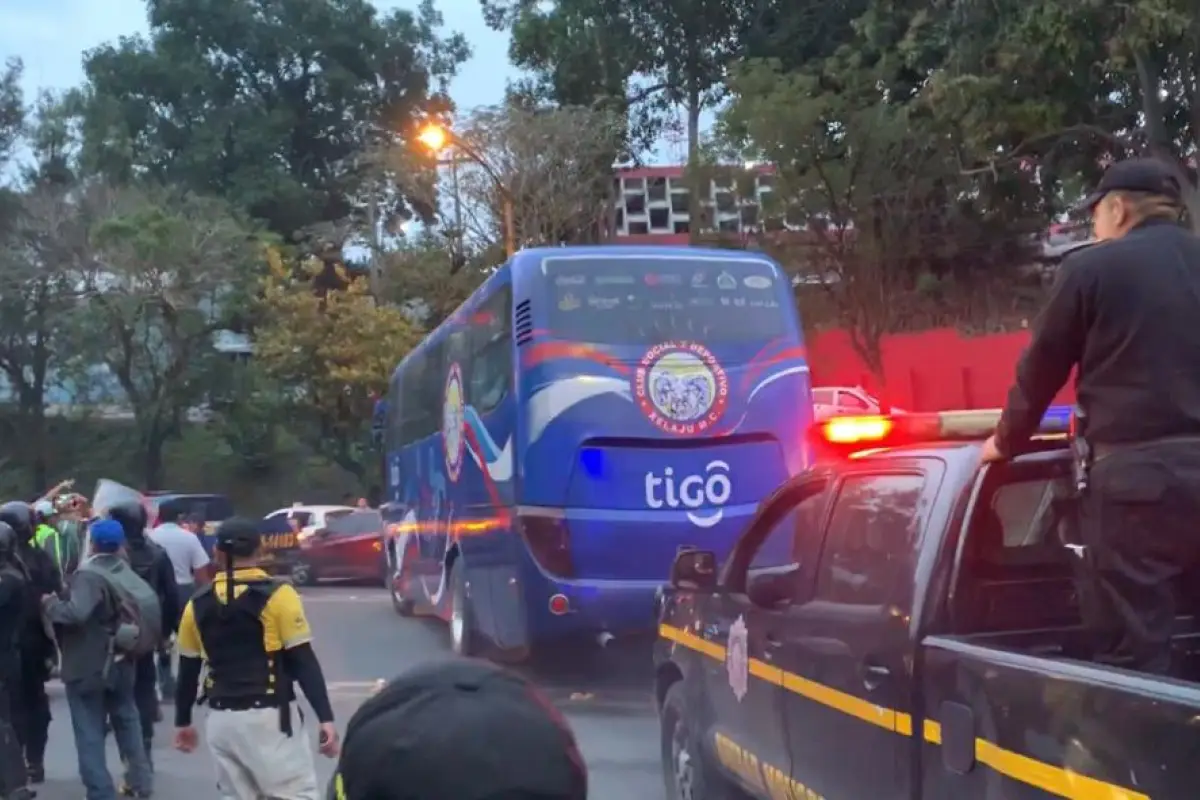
(183, 548)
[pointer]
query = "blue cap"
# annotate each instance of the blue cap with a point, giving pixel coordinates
(107, 535)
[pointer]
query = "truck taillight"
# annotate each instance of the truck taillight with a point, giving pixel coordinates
(549, 540)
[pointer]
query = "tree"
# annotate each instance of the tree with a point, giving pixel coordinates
(168, 270)
(420, 278)
(1067, 88)
(12, 108)
(579, 53)
(884, 205)
(39, 255)
(268, 104)
(640, 58)
(332, 352)
(551, 163)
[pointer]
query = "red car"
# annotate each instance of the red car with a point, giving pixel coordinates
(349, 547)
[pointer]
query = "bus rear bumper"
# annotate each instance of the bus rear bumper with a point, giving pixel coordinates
(594, 607)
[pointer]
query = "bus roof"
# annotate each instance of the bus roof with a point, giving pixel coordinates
(662, 251)
(524, 259)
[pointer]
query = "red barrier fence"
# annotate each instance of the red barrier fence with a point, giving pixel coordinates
(927, 371)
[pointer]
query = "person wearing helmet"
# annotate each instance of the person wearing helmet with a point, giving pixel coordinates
(255, 638)
(38, 651)
(152, 564)
(14, 607)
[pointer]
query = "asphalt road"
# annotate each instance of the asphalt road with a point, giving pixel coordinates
(360, 640)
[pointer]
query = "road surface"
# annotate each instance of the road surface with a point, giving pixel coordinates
(361, 640)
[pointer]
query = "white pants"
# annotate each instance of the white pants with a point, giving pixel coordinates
(257, 761)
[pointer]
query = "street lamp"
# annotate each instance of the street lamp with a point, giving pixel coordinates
(437, 137)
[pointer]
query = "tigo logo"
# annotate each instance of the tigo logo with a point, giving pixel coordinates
(709, 491)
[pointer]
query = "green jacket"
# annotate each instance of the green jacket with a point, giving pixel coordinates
(63, 546)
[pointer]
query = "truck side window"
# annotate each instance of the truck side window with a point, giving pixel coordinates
(870, 538)
(795, 538)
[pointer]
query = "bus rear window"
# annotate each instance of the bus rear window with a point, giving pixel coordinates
(630, 300)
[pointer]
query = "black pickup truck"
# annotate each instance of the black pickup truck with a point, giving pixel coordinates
(903, 623)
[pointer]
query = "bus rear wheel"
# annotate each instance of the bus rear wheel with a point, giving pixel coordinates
(404, 606)
(464, 641)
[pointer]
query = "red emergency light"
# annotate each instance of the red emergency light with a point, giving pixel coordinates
(862, 432)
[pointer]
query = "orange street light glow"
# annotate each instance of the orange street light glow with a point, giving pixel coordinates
(433, 136)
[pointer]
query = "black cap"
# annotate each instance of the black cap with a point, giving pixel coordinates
(1147, 175)
(238, 536)
(459, 729)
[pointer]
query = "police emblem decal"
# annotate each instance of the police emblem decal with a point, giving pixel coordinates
(681, 387)
(737, 659)
(453, 423)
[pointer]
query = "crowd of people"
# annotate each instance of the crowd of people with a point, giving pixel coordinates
(97, 596)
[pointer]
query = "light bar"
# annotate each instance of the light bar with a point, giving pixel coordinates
(937, 426)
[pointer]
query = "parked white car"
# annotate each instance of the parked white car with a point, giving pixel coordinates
(310, 518)
(837, 401)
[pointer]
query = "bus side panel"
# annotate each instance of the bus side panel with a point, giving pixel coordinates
(1007, 725)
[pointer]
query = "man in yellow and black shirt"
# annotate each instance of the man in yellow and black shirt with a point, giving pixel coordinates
(256, 646)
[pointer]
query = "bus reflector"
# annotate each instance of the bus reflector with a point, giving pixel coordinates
(938, 426)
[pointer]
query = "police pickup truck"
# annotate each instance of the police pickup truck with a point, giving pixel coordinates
(902, 622)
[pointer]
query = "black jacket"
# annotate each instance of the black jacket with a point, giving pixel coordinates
(1127, 313)
(153, 565)
(37, 647)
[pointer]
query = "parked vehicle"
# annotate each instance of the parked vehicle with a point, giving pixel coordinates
(833, 401)
(305, 520)
(585, 414)
(905, 625)
(214, 508)
(347, 547)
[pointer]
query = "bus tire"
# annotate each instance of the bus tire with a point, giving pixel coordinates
(404, 606)
(686, 775)
(463, 638)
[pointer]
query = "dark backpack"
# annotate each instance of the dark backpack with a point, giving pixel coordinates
(139, 615)
(143, 556)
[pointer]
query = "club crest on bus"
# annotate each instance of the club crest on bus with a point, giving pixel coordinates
(681, 387)
(453, 422)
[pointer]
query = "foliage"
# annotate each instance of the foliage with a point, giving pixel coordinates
(867, 172)
(552, 164)
(267, 103)
(168, 271)
(332, 353)
(419, 277)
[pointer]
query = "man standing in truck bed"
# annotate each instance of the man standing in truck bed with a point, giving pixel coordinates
(1126, 312)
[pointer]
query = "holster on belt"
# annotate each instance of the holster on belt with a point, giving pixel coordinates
(1081, 452)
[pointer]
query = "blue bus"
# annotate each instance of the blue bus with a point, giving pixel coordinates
(584, 416)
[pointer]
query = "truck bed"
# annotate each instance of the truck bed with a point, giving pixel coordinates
(1016, 710)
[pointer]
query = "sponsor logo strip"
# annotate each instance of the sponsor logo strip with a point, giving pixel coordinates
(1049, 778)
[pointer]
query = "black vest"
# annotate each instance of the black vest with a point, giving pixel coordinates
(239, 666)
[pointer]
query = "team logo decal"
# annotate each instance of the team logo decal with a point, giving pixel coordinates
(681, 388)
(737, 659)
(453, 422)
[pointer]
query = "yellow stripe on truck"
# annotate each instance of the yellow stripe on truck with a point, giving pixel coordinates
(1053, 779)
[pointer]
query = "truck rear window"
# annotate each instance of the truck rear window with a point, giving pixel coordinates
(1016, 572)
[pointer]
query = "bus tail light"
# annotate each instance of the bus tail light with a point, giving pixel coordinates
(548, 537)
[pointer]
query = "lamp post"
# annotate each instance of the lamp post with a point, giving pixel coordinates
(437, 138)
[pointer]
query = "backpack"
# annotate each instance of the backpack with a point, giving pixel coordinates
(139, 615)
(143, 555)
